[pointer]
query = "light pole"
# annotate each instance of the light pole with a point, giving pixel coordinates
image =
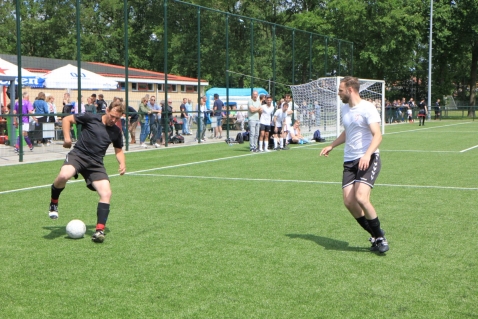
(430, 62)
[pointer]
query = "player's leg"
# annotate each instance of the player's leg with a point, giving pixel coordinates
(103, 189)
(266, 138)
(261, 136)
(219, 127)
(67, 171)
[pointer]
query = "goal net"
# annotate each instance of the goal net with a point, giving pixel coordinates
(318, 107)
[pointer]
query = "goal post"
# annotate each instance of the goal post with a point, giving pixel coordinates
(318, 106)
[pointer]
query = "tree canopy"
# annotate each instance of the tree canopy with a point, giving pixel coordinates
(390, 39)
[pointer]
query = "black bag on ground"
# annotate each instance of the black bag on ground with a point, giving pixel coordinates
(245, 136)
(239, 138)
(177, 139)
(317, 137)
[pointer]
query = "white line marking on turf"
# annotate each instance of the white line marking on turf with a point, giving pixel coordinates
(428, 128)
(462, 151)
(130, 173)
(299, 181)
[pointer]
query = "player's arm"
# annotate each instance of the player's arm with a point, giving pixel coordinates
(121, 160)
(339, 140)
(376, 140)
(66, 126)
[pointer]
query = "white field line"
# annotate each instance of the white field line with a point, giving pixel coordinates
(428, 128)
(300, 181)
(462, 151)
(141, 171)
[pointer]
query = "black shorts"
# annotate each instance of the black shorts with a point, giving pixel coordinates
(279, 130)
(265, 128)
(352, 174)
(91, 170)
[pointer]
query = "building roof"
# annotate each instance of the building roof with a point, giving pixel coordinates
(44, 65)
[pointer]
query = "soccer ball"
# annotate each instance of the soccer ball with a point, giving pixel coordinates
(76, 229)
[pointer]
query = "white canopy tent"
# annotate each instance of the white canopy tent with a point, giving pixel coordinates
(9, 70)
(66, 77)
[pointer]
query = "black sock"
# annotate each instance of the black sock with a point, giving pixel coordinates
(375, 226)
(102, 213)
(364, 223)
(55, 193)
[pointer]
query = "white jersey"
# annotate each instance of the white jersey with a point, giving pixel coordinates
(266, 116)
(280, 117)
(357, 131)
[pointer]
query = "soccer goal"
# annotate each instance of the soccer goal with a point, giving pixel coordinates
(318, 106)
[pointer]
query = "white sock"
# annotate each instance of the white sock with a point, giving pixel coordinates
(275, 143)
(260, 145)
(281, 142)
(266, 145)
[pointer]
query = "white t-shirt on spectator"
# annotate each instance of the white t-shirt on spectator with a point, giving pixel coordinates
(266, 116)
(280, 117)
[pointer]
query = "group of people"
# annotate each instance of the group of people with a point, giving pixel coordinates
(397, 109)
(264, 121)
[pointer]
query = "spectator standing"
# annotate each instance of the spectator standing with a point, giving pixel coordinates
(437, 110)
(155, 125)
(253, 106)
(201, 132)
(185, 117)
(280, 127)
(217, 108)
(90, 106)
(27, 108)
(86, 158)
(133, 123)
(422, 112)
(189, 109)
(362, 137)
(167, 118)
(267, 111)
(50, 99)
(144, 114)
(101, 104)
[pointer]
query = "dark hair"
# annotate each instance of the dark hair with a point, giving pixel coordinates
(216, 96)
(352, 82)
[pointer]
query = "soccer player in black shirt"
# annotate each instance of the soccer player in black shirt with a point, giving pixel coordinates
(86, 158)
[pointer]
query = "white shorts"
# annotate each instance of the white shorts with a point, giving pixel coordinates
(26, 127)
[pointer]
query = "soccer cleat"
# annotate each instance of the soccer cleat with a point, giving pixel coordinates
(31, 147)
(374, 242)
(53, 213)
(156, 145)
(98, 236)
(16, 150)
(382, 244)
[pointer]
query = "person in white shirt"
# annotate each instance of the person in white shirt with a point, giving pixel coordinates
(267, 111)
(280, 127)
(253, 106)
(362, 137)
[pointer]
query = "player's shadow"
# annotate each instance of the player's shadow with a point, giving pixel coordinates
(60, 231)
(328, 243)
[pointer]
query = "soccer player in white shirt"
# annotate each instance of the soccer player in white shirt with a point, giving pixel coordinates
(267, 111)
(362, 164)
(280, 126)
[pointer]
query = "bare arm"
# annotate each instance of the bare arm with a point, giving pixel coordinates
(121, 160)
(339, 140)
(66, 126)
(376, 140)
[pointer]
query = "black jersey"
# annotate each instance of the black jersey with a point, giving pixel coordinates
(96, 137)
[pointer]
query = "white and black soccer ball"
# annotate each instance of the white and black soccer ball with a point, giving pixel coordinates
(76, 229)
